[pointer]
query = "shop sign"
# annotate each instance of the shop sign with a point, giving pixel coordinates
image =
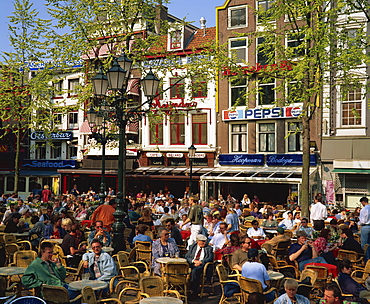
(153, 154)
(30, 163)
(173, 104)
(175, 155)
(241, 159)
(131, 152)
(288, 160)
(258, 113)
(199, 155)
(40, 135)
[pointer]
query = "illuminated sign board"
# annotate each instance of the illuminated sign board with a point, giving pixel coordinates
(262, 113)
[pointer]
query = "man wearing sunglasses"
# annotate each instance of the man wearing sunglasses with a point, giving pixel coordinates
(240, 256)
(100, 233)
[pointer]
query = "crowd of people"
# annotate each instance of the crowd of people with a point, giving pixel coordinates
(244, 231)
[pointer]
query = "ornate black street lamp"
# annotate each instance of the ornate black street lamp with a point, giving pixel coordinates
(191, 150)
(119, 113)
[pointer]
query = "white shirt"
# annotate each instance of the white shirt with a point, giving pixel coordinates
(318, 212)
(218, 241)
(252, 232)
(289, 224)
(364, 218)
(238, 212)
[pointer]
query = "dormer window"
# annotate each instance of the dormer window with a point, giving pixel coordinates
(175, 39)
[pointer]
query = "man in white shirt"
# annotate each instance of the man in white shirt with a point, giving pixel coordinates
(318, 214)
(219, 239)
(289, 222)
(364, 221)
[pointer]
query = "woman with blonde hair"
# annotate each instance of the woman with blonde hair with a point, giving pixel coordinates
(246, 201)
(146, 218)
(46, 194)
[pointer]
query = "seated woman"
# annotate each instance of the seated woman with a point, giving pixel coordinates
(255, 232)
(321, 246)
(163, 247)
(54, 230)
(146, 218)
(140, 234)
(347, 241)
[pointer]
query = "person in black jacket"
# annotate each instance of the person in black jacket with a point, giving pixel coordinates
(175, 233)
(198, 255)
(347, 242)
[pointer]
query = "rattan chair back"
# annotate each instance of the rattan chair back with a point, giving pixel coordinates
(308, 273)
(55, 294)
(143, 245)
(152, 285)
(23, 258)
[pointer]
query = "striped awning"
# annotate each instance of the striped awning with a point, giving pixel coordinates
(133, 86)
(85, 128)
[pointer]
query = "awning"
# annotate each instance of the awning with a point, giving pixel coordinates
(133, 86)
(85, 128)
(171, 171)
(256, 174)
(36, 173)
(353, 171)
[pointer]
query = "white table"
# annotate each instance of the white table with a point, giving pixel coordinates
(9, 271)
(272, 231)
(94, 284)
(56, 241)
(161, 300)
(274, 275)
(166, 260)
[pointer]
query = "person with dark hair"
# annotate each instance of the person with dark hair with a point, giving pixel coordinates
(332, 294)
(303, 226)
(37, 230)
(255, 232)
(13, 225)
(140, 234)
(175, 233)
(364, 221)
(46, 217)
(347, 241)
(232, 245)
(256, 298)
(349, 285)
(70, 246)
(280, 237)
(104, 213)
(99, 263)
(289, 222)
(54, 230)
(100, 234)
(318, 214)
(240, 256)
(321, 246)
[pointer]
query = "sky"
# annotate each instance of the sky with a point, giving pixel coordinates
(193, 10)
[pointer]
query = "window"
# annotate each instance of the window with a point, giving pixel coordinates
(177, 88)
(72, 86)
(352, 45)
(264, 52)
(351, 107)
(199, 87)
(238, 92)
(177, 130)
(58, 88)
(199, 129)
(156, 134)
(266, 91)
(238, 16)
(238, 50)
(175, 39)
(40, 152)
(73, 120)
(56, 150)
(295, 44)
(72, 152)
(266, 135)
(294, 137)
(239, 138)
(10, 184)
(263, 9)
(58, 119)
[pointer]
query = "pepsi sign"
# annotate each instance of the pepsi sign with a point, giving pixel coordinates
(262, 113)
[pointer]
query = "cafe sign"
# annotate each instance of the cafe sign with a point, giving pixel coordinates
(175, 155)
(47, 164)
(40, 135)
(241, 159)
(153, 154)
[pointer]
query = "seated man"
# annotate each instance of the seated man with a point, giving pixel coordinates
(290, 296)
(99, 263)
(46, 270)
(198, 256)
(100, 234)
(303, 226)
(303, 251)
(349, 285)
(240, 256)
(175, 233)
(252, 269)
(332, 294)
(221, 238)
(289, 222)
(280, 237)
(347, 241)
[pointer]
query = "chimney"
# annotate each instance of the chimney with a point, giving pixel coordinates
(203, 25)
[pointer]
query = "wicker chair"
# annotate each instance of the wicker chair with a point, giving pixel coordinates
(153, 286)
(352, 256)
(360, 274)
(88, 297)
(344, 295)
(224, 279)
(247, 286)
(57, 295)
(176, 276)
(23, 258)
(204, 277)
(283, 267)
(281, 249)
(9, 238)
(306, 289)
(130, 271)
(143, 245)
(7, 291)
(322, 277)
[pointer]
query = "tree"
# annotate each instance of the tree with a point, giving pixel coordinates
(319, 52)
(24, 95)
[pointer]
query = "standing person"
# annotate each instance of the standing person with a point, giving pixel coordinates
(364, 221)
(232, 220)
(196, 219)
(318, 214)
(46, 194)
(104, 213)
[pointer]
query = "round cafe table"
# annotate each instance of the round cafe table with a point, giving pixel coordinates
(23, 235)
(166, 260)
(274, 275)
(56, 241)
(9, 271)
(161, 300)
(94, 284)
